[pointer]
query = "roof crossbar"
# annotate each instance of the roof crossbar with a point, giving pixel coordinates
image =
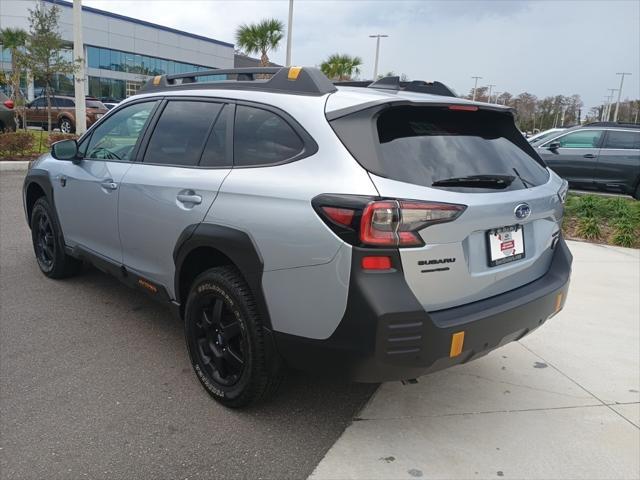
(292, 80)
(394, 83)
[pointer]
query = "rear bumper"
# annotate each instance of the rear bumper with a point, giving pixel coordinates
(386, 335)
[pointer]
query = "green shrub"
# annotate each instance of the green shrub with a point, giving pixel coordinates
(15, 144)
(56, 137)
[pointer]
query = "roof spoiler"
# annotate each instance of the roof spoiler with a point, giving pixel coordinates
(394, 83)
(294, 80)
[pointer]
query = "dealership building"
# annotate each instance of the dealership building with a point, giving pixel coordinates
(120, 52)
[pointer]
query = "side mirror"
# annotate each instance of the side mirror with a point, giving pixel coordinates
(554, 146)
(65, 150)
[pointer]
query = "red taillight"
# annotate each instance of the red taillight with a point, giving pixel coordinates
(376, 263)
(342, 216)
(8, 103)
(464, 108)
(390, 223)
(397, 223)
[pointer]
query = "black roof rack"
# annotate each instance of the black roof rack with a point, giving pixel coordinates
(293, 80)
(612, 124)
(394, 83)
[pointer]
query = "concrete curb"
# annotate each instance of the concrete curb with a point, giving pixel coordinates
(14, 165)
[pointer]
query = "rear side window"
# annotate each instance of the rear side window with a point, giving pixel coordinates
(262, 137)
(215, 151)
(622, 140)
(181, 133)
(423, 146)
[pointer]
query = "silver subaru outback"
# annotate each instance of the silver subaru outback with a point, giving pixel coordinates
(376, 232)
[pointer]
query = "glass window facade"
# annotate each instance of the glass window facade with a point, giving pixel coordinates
(108, 59)
(107, 89)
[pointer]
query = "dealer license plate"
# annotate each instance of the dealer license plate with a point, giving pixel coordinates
(506, 244)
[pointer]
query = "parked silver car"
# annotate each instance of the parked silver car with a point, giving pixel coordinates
(375, 233)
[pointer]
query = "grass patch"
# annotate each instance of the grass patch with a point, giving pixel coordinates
(611, 220)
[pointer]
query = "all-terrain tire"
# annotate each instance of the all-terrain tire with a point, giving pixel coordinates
(47, 245)
(226, 340)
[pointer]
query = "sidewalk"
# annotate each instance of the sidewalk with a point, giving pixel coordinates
(562, 403)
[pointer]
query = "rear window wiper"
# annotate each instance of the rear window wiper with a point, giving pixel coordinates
(477, 181)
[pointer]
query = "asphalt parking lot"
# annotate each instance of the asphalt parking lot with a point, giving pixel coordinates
(95, 383)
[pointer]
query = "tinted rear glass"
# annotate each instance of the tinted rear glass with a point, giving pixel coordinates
(422, 145)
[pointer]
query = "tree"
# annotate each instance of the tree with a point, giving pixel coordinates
(43, 52)
(341, 66)
(14, 40)
(260, 38)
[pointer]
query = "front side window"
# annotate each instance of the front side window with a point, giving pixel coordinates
(580, 139)
(116, 137)
(262, 138)
(622, 140)
(181, 133)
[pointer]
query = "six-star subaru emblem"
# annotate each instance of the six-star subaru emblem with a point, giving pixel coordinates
(522, 211)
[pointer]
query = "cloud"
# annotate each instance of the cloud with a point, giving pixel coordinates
(543, 47)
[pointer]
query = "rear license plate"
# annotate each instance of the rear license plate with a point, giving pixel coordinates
(506, 244)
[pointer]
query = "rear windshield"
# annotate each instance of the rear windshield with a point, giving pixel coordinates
(95, 104)
(423, 145)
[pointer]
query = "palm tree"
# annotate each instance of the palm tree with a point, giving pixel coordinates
(13, 39)
(260, 38)
(341, 66)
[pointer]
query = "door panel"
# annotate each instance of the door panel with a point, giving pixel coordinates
(156, 204)
(167, 192)
(577, 157)
(619, 161)
(86, 197)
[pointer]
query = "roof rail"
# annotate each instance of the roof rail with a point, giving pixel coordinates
(292, 80)
(394, 83)
(612, 124)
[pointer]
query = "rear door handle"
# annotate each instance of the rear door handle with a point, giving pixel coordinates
(589, 155)
(109, 185)
(194, 199)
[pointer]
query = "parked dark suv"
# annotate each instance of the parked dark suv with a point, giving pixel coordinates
(63, 112)
(602, 155)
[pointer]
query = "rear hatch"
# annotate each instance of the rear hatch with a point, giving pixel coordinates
(470, 156)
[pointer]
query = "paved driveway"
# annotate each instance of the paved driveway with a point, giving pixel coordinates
(95, 383)
(561, 403)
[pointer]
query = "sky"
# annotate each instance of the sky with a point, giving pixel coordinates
(543, 47)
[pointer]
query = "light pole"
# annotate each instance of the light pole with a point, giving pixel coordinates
(491, 85)
(605, 103)
(497, 94)
(622, 74)
(375, 65)
(289, 32)
(78, 54)
(610, 103)
(475, 87)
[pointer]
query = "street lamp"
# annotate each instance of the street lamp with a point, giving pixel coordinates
(622, 74)
(610, 103)
(289, 33)
(491, 85)
(475, 87)
(375, 67)
(78, 54)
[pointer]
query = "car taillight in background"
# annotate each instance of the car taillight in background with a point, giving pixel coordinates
(364, 221)
(8, 103)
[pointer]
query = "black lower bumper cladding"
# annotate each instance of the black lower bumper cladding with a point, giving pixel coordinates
(386, 335)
